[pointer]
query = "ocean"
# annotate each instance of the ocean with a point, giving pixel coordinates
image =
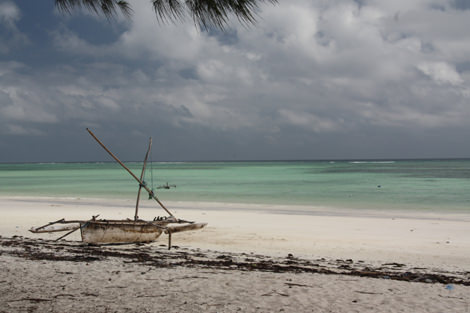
(416, 185)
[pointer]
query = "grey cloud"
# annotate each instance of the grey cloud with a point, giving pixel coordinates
(461, 4)
(333, 79)
(10, 36)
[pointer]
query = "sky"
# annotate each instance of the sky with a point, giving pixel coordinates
(312, 79)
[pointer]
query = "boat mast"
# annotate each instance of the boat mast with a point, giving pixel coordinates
(141, 183)
(142, 179)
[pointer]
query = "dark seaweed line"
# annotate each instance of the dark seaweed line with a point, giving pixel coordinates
(36, 249)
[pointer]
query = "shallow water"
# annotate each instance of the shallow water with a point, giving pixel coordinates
(422, 185)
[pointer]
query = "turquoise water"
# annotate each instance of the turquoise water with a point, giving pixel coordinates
(434, 185)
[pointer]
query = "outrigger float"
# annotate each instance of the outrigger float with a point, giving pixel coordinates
(102, 231)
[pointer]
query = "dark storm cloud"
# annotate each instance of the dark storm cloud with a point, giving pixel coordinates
(461, 4)
(326, 79)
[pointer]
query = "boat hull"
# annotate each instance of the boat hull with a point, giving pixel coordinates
(108, 232)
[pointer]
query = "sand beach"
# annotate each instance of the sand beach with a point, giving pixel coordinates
(246, 260)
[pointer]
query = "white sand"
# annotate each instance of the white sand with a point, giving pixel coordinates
(112, 285)
(426, 240)
(126, 287)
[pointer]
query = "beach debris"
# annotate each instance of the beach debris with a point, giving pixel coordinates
(449, 287)
(297, 285)
(31, 299)
(35, 249)
(394, 264)
(368, 292)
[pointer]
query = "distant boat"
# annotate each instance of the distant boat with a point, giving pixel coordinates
(135, 230)
(166, 186)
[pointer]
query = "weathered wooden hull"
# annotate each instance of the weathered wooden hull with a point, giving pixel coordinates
(119, 231)
(106, 232)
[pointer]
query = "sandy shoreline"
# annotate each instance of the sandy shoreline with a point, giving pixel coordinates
(211, 274)
(40, 276)
(426, 240)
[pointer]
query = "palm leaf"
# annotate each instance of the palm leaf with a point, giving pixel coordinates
(108, 8)
(204, 13)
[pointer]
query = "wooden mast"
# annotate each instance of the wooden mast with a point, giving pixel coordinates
(141, 179)
(141, 183)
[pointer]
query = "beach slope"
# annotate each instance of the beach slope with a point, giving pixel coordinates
(247, 260)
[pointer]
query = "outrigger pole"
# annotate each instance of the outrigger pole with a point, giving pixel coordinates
(141, 183)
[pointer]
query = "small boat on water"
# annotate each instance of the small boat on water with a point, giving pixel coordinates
(102, 231)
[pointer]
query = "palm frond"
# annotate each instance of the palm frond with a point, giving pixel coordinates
(204, 13)
(208, 13)
(108, 8)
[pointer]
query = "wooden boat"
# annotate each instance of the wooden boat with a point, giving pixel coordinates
(103, 231)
